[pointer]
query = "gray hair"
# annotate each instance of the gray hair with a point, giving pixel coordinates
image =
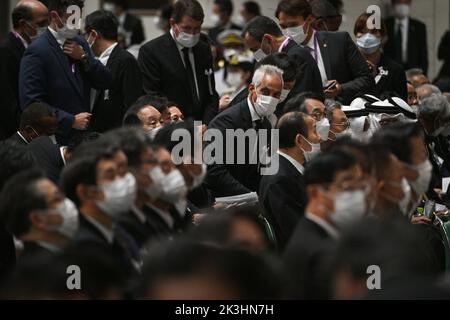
(427, 90)
(434, 106)
(414, 72)
(264, 70)
(331, 105)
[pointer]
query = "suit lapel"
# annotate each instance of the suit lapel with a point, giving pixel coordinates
(64, 62)
(199, 70)
(323, 47)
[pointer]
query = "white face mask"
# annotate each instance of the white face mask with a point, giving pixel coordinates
(69, 214)
(156, 188)
(234, 79)
(284, 95)
(67, 32)
(187, 40)
(107, 6)
(119, 196)
(295, 33)
(349, 207)
(402, 10)
(266, 105)
(215, 19)
(315, 150)
(368, 43)
(422, 183)
(174, 187)
(198, 180)
(259, 55)
(39, 32)
(323, 129)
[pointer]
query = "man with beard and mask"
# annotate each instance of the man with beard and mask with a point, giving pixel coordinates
(29, 20)
(97, 180)
(344, 72)
(60, 70)
(181, 56)
(336, 200)
(312, 105)
(109, 106)
(227, 179)
(283, 195)
(37, 213)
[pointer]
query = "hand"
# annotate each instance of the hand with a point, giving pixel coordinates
(420, 220)
(224, 102)
(334, 91)
(81, 121)
(73, 50)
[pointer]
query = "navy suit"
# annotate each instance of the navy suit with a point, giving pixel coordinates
(46, 74)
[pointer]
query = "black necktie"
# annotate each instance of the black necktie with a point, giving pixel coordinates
(399, 44)
(257, 124)
(190, 74)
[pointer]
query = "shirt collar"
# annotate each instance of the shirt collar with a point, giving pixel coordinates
(403, 21)
(108, 234)
(138, 213)
(284, 44)
(121, 18)
(253, 113)
(165, 216)
(294, 162)
(331, 230)
(104, 57)
(310, 43)
(23, 138)
(61, 150)
(50, 247)
(59, 39)
(18, 36)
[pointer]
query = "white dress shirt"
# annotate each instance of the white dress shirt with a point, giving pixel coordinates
(405, 26)
(191, 59)
(294, 162)
(319, 61)
(331, 230)
(104, 57)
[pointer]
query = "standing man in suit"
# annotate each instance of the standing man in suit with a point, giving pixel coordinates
(254, 113)
(178, 65)
(343, 70)
(264, 37)
(29, 19)
(110, 106)
(131, 30)
(407, 38)
(283, 195)
(222, 11)
(60, 69)
(336, 196)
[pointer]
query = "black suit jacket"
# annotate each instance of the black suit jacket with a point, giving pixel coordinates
(46, 75)
(47, 156)
(306, 260)
(133, 25)
(394, 81)
(308, 78)
(111, 105)
(164, 73)
(283, 197)
(233, 179)
(417, 44)
(11, 52)
(343, 62)
(241, 96)
(16, 138)
(8, 252)
(444, 54)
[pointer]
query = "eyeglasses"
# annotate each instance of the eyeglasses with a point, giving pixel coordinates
(317, 115)
(345, 125)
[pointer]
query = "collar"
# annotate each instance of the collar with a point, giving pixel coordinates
(121, 18)
(310, 43)
(253, 113)
(284, 44)
(61, 150)
(50, 247)
(403, 21)
(331, 230)
(23, 138)
(165, 216)
(294, 162)
(18, 36)
(104, 57)
(139, 214)
(59, 39)
(108, 234)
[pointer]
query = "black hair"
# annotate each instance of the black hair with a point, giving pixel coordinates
(226, 6)
(297, 103)
(261, 25)
(81, 138)
(252, 7)
(190, 8)
(104, 22)
(33, 114)
(60, 6)
(396, 138)
(21, 12)
(323, 169)
(294, 8)
(164, 136)
(380, 159)
(283, 61)
(14, 158)
(289, 126)
(124, 4)
(133, 142)
(19, 197)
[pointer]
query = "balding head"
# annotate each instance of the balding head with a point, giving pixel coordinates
(28, 17)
